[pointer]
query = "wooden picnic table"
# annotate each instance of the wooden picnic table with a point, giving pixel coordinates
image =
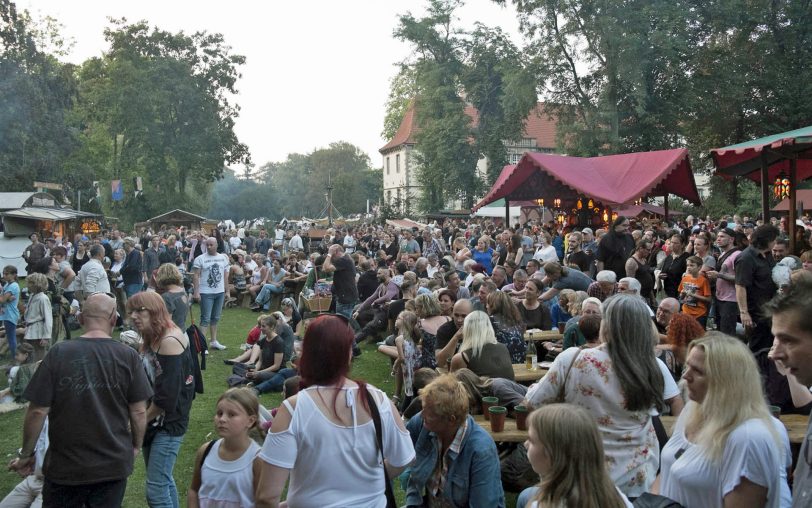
(543, 335)
(796, 428)
(523, 375)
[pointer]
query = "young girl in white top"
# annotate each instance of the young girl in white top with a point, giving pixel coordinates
(227, 469)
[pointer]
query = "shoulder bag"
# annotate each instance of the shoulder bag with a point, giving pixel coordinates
(376, 419)
(562, 389)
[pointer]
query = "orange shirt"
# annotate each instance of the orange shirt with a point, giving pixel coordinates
(700, 286)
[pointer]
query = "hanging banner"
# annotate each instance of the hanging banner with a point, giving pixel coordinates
(139, 188)
(117, 190)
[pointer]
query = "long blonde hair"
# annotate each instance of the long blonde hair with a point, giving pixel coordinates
(734, 393)
(578, 476)
(476, 332)
(409, 326)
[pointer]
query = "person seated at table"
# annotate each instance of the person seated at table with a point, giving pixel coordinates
(725, 450)
(456, 462)
(510, 393)
(565, 448)
(507, 324)
(535, 314)
(560, 308)
(573, 337)
(622, 384)
(480, 351)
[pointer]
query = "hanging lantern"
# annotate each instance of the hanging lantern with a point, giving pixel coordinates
(540, 202)
(614, 216)
(557, 202)
(605, 215)
(591, 204)
(777, 186)
(785, 185)
(597, 210)
(580, 204)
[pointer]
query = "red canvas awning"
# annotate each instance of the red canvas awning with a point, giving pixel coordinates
(610, 179)
(802, 196)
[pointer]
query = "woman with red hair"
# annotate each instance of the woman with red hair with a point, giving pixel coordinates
(169, 364)
(682, 329)
(324, 437)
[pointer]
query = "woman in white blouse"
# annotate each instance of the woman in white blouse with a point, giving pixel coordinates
(324, 437)
(726, 450)
(621, 383)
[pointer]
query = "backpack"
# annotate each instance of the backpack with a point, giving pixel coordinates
(197, 341)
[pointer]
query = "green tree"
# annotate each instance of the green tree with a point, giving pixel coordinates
(501, 89)
(36, 95)
(163, 99)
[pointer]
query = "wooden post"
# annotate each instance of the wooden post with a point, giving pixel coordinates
(765, 190)
(793, 173)
(507, 213)
(665, 207)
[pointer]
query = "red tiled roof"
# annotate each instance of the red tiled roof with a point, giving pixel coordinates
(538, 125)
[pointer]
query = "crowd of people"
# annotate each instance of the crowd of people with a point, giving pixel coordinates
(707, 321)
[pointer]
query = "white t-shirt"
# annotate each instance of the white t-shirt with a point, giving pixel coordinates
(235, 242)
(212, 270)
(546, 254)
(696, 481)
(227, 483)
(349, 244)
(334, 466)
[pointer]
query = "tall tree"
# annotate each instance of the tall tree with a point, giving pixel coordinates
(36, 95)
(163, 99)
(502, 90)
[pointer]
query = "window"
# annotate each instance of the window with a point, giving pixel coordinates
(387, 165)
(389, 196)
(397, 163)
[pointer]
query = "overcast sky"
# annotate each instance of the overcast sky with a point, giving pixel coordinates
(317, 71)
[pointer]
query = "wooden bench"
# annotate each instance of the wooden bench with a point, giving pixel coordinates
(796, 428)
(543, 335)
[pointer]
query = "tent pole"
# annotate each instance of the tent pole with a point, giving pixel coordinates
(665, 207)
(765, 190)
(507, 213)
(793, 172)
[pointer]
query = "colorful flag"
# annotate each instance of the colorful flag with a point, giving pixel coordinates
(118, 190)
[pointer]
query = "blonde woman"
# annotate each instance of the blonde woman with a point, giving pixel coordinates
(565, 448)
(39, 319)
(404, 352)
(726, 450)
(428, 310)
(480, 352)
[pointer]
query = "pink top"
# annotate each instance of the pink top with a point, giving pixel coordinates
(726, 290)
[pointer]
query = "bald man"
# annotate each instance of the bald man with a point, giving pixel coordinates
(665, 311)
(449, 335)
(96, 413)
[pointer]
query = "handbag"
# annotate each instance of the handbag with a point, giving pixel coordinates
(561, 397)
(648, 500)
(376, 419)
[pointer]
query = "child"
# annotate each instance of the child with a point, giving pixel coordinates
(226, 470)
(9, 312)
(407, 326)
(694, 290)
(19, 375)
(39, 318)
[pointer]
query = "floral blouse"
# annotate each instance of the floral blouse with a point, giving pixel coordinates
(629, 441)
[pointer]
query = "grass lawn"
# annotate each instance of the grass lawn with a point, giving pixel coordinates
(371, 367)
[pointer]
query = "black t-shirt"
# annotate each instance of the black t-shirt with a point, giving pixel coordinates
(269, 349)
(367, 284)
(88, 385)
(614, 249)
(754, 272)
(675, 268)
(174, 392)
(344, 287)
(395, 308)
(582, 259)
(536, 318)
(445, 332)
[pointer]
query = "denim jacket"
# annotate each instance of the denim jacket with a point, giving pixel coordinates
(473, 475)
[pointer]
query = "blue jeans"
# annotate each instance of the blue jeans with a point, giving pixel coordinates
(11, 337)
(345, 309)
(131, 289)
(276, 382)
(160, 457)
(526, 496)
(211, 307)
(266, 293)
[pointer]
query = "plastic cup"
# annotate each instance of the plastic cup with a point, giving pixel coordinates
(487, 402)
(498, 414)
(521, 417)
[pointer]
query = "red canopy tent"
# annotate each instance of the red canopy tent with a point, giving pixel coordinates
(610, 179)
(764, 159)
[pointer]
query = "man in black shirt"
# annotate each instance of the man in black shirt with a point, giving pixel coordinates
(367, 281)
(755, 286)
(345, 289)
(615, 248)
(93, 391)
(448, 340)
